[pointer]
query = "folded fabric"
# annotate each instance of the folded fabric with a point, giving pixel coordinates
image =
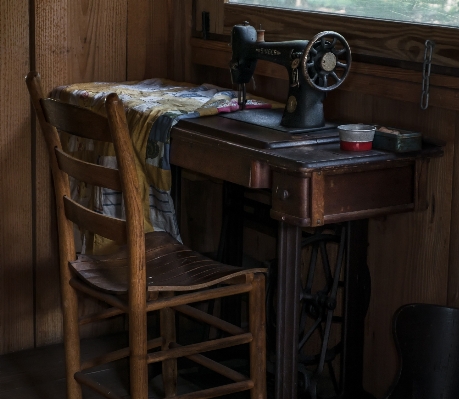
(152, 107)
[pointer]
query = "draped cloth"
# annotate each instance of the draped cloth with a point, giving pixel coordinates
(152, 108)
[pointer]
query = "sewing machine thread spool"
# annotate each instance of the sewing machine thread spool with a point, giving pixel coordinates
(260, 35)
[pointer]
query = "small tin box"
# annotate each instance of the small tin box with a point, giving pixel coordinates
(397, 140)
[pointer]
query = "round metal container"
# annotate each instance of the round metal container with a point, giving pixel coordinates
(356, 137)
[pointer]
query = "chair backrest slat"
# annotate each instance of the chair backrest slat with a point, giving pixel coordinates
(110, 127)
(106, 226)
(90, 173)
(76, 120)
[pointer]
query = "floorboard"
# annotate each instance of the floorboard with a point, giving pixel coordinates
(40, 373)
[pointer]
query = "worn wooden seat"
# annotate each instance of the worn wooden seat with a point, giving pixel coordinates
(144, 273)
(171, 266)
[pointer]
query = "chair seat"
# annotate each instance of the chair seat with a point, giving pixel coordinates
(171, 266)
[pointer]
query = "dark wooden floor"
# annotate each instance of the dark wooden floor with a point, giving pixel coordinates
(40, 373)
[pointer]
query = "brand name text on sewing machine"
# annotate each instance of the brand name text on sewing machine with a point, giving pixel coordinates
(267, 51)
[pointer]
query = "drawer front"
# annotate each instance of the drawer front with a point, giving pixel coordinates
(290, 199)
(220, 163)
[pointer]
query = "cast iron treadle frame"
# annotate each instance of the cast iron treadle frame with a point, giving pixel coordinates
(317, 310)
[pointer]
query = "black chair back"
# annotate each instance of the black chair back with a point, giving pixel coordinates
(427, 339)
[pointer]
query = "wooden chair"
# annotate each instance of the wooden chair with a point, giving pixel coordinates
(143, 276)
(427, 338)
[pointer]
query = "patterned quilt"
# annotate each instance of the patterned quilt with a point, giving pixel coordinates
(152, 107)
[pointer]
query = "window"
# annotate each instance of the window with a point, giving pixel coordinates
(433, 12)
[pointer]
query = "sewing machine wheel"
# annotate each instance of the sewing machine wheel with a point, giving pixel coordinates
(326, 61)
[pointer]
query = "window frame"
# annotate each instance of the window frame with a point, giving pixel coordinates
(390, 43)
(234, 2)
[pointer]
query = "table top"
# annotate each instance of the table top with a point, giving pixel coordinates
(299, 152)
(313, 182)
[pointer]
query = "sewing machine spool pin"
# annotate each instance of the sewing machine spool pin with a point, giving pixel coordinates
(314, 68)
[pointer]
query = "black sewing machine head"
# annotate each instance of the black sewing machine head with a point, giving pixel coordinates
(314, 67)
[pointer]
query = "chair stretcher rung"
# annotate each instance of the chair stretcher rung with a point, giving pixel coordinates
(84, 379)
(215, 366)
(194, 349)
(209, 319)
(198, 296)
(119, 354)
(102, 315)
(110, 299)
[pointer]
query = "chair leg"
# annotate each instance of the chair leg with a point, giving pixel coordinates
(257, 324)
(71, 340)
(169, 367)
(138, 367)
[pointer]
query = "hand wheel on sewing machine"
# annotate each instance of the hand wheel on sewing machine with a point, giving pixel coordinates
(326, 61)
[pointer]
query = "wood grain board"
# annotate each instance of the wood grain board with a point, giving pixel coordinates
(408, 253)
(390, 82)
(76, 41)
(216, 13)
(379, 38)
(16, 224)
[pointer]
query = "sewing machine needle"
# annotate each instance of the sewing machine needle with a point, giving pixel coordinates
(241, 96)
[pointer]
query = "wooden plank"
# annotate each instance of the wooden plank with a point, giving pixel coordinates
(179, 40)
(75, 41)
(390, 82)
(138, 37)
(16, 246)
(453, 272)
(394, 40)
(148, 39)
(201, 214)
(216, 15)
(222, 54)
(168, 29)
(408, 253)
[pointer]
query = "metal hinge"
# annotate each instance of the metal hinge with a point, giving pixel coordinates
(426, 66)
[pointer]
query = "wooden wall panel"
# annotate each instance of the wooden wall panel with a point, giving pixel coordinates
(378, 38)
(216, 15)
(180, 30)
(408, 253)
(16, 254)
(158, 36)
(410, 256)
(72, 41)
(75, 41)
(148, 39)
(453, 275)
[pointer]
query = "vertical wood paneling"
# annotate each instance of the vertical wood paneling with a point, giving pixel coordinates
(51, 62)
(76, 41)
(16, 257)
(181, 25)
(216, 15)
(148, 39)
(408, 253)
(138, 37)
(453, 275)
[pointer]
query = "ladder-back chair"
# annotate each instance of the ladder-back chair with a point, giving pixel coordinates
(145, 274)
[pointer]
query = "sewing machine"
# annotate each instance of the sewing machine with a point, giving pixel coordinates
(314, 67)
